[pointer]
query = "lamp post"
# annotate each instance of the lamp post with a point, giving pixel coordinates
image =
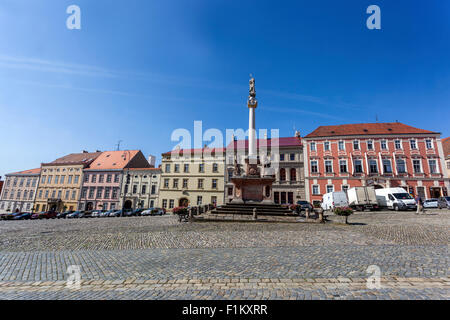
(126, 182)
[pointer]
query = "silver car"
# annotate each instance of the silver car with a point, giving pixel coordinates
(444, 203)
(430, 203)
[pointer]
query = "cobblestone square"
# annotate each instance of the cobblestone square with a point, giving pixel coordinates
(160, 258)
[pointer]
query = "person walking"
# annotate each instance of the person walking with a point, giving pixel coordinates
(419, 204)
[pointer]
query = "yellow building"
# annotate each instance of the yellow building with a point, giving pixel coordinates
(192, 177)
(61, 180)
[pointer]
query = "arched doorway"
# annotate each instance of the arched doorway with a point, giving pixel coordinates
(127, 205)
(89, 206)
(183, 202)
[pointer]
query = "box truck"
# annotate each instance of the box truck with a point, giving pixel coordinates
(333, 200)
(361, 198)
(395, 199)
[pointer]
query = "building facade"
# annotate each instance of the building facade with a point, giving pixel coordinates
(446, 150)
(61, 180)
(19, 191)
(374, 154)
(192, 177)
(286, 165)
(140, 188)
(102, 181)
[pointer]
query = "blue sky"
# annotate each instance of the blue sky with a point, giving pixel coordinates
(137, 70)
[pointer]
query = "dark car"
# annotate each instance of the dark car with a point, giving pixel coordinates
(11, 216)
(303, 205)
(23, 216)
(86, 214)
(37, 215)
(133, 213)
(63, 215)
(75, 214)
(48, 215)
(444, 203)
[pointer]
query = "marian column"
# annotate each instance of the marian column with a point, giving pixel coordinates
(252, 103)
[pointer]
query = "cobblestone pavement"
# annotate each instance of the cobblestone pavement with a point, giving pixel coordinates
(159, 258)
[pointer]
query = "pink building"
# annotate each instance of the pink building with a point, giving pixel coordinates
(379, 154)
(103, 179)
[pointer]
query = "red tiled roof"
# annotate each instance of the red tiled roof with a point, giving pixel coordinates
(366, 129)
(145, 169)
(446, 146)
(72, 158)
(195, 151)
(26, 172)
(112, 160)
(282, 142)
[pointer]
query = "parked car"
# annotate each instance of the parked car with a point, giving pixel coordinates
(63, 215)
(303, 205)
(37, 215)
(395, 198)
(96, 213)
(334, 199)
(132, 213)
(361, 198)
(153, 212)
(117, 213)
(75, 214)
(430, 203)
(11, 216)
(86, 214)
(48, 215)
(105, 213)
(444, 202)
(23, 216)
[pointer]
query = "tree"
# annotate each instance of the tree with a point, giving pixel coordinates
(343, 212)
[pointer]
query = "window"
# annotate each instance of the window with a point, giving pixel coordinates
(292, 157)
(343, 166)
(69, 180)
(199, 200)
(314, 167)
(200, 183)
(164, 203)
(67, 195)
(101, 178)
(171, 203)
(115, 193)
(18, 195)
(416, 165)
(281, 156)
(93, 178)
(433, 166)
(312, 146)
(34, 183)
(167, 168)
(62, 179)
(355, 145)
(107, 193)
(357, 164)
(77, 178)
(116, 178)
(185, 183)
(330, 188)
(398, 144)
(175, 183)
(429, 144)
(373, 166)
(177, 168)
(144, 189)
(387, 168)
(215, 167)
(42, 180)
(413, 144)
(341, 145)
(56, 179)
(214, 183)
(54, 194)
(135, 188)
(213, 200)
(293, 174)
(108, 178)
(326, 146)
(49, 179)
(126, 189)
(345, 188)
(30, 197)
(91, 193)
(153, 189)
(86, 178)
(105, 206)
(282, 174)
(201, 167)
(230, 191)
(328, 166)
(186, 167)
(99, 192)
(46, 194)
(166, 183)
(383, 145)
(369, 145)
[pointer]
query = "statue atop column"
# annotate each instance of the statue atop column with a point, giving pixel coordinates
(252, 102)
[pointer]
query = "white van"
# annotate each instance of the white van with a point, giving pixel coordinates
(395, 199)
(334, 199)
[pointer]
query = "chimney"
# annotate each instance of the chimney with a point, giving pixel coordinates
(152, 161)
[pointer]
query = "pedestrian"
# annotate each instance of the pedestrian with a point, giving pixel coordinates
(419, 204)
